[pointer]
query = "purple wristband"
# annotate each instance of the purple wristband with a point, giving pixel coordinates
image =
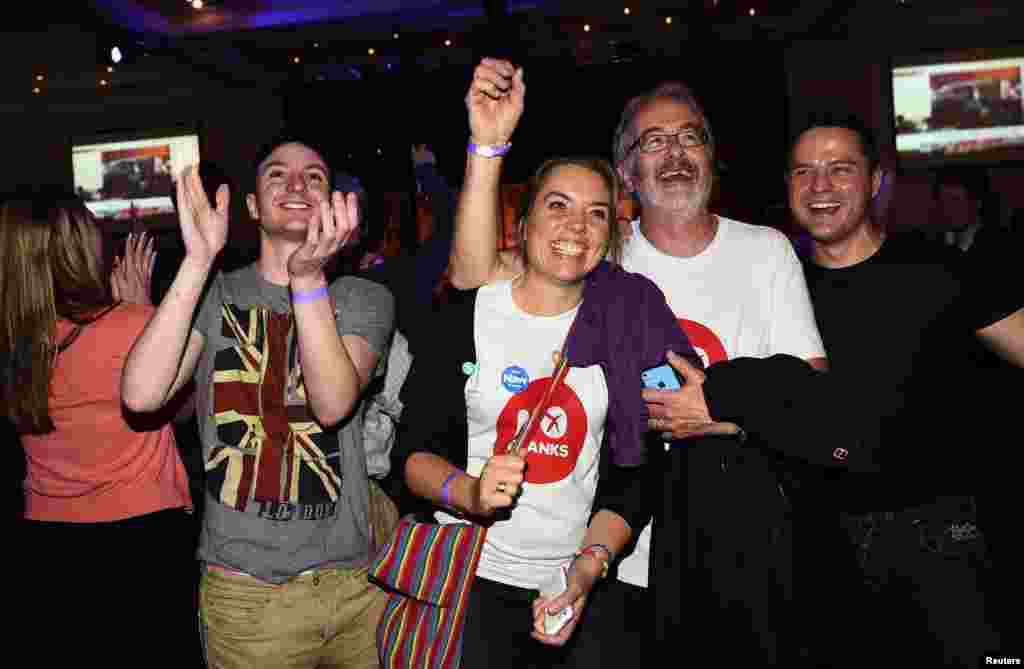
(489, 150)
(446, 493)
(309, 295)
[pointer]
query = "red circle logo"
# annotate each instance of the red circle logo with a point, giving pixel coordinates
(705, 342)
(553, 446)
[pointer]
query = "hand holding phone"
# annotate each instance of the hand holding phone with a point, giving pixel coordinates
(558, 584)
(662, 377)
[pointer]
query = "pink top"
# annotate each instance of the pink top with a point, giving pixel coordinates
(94, 467)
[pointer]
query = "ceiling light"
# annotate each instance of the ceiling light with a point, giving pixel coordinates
(625, 10)
(370, 51)
(753, 11)
(296, 60)
(103, 82)
(39, 77)
(116, 55)
(447, 42)
(109, 69)
(395, 36)
(668, 20)
(37, 90)
(197, 4)
(316, 45)
(586, 27)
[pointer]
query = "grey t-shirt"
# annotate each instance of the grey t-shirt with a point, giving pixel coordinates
(283, 495)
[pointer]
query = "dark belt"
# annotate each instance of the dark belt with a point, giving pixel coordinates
(502, 591)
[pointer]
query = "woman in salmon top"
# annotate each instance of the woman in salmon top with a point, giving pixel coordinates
(103, 550)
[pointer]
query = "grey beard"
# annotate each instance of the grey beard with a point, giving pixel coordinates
(690, 207)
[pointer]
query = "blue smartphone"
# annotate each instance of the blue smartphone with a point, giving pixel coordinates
(662, 377)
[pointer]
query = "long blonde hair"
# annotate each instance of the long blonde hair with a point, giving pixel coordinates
(50, 270)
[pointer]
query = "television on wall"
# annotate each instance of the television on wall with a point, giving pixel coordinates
(959, 107)
(128, 177)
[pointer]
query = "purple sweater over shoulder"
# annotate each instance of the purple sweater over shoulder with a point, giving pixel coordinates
(625, 325)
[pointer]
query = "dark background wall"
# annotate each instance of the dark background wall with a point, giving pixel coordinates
(568, 110)
(855, 75)
(753, 90)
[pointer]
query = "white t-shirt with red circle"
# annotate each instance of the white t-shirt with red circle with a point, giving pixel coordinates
(743, 296)
(513, 369)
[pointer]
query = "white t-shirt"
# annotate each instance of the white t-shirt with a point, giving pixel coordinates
(513, 369)
(743, 296)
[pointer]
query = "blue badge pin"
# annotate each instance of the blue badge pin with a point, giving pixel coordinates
(515, 379)
(469, 368)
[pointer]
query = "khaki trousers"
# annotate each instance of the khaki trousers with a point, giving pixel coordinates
(325, 618)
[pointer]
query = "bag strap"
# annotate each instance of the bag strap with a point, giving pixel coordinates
(77, 330)
(69, 339)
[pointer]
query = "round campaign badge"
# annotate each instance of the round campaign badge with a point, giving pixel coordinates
(515, 379)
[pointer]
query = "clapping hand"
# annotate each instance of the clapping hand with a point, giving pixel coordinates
(495, 101)
(132, 275)
(204, 229)
(325, 235)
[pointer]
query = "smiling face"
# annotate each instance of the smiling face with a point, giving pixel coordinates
(568, 227)
(290, 185)
(674, 178)
(831, 183)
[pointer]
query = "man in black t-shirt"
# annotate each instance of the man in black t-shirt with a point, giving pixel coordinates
(895, 314)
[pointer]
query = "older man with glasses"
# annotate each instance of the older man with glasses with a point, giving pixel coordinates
(738, 291)
(720, 567)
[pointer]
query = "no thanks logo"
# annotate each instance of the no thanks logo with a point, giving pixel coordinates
(553, 447)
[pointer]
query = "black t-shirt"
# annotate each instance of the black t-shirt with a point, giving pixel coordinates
(994, 265)
(898, 328)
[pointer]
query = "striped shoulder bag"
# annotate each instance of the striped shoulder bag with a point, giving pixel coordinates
(428, 570)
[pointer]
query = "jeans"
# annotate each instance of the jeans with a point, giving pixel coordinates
(499, 619)
(922, 570)
(618, 623)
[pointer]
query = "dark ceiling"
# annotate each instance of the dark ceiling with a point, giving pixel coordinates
(250, 42)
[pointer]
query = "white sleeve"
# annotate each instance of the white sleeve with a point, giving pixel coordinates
(794, 330)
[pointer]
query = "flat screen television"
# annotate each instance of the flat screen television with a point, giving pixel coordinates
(959, 107)
(128, 177)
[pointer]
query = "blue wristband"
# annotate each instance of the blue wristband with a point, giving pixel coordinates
(446, 493)
(309, 295)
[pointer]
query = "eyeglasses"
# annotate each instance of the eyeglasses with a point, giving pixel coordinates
(653, 142)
